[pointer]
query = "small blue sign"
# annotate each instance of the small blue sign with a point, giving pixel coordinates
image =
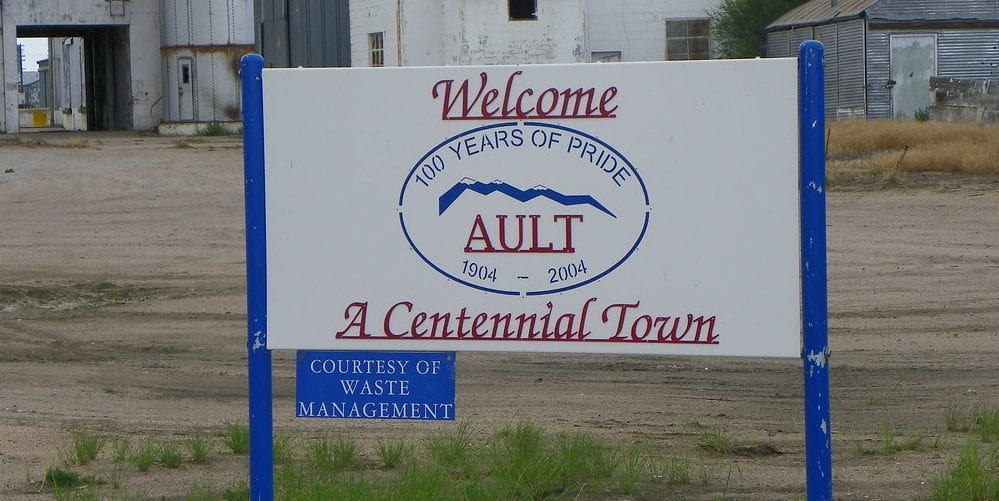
(375, 385)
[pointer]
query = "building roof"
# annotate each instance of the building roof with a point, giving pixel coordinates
(821, 11)
(983, 13)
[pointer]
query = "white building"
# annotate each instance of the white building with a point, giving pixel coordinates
(460, 32)
(443, 32)
(137, 64)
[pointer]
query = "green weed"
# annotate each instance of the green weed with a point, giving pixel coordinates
(392, 454)
(198, 446)
(987, 423)
(718, 441)
(454, 450)
(237, 438)
(169, 454)
(58, 477)
(211, 129)
(144, 457)
(86, 447)
(969, 478)
(339, 454)
(283, 448)
(672, 470)
(891, 444)
(8, 171)
(119, 449)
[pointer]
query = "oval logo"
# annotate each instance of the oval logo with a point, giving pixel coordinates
(524, 208)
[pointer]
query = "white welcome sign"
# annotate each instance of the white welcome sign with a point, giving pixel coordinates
(610, 208)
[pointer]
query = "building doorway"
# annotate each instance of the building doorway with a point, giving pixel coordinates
(88, 72)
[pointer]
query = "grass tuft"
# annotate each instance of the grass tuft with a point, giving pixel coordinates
(339, 454)
(58, 477)
(890, 443)
(392, 454)
(119, 449)
(718, 441)
(283, 448)
(453, 450)
(198, 446)
(86, 447)
(237, 438)
(144, 457)
(970, 478)
(169, 454)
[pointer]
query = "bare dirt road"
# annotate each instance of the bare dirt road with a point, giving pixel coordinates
(122, 312)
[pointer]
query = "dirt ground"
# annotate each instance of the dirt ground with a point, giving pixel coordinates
(122, 312)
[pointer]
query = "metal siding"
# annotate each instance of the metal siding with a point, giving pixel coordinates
(797, 36)
(336, 42)
(241, 22)
(968, 54)
(200, 13)
(933, 9)
(274, 42)
(778, 44)
(316, 32)
(298, 33)
(850, 40)
(218, 29)
(827, 35)
(878, 95)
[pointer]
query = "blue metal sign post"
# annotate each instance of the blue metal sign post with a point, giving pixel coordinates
(259, 358)
(815, 344)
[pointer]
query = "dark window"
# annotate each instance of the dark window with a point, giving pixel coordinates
(376, 44)
(688, 39)
(185, 74)
(523, 10)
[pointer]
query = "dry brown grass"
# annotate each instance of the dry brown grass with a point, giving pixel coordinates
(890, 149)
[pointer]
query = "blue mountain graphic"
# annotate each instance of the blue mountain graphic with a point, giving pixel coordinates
(451, 196)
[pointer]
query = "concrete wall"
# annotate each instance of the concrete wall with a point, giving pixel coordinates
(964, 100)
(459, 32)
(374, 16)
(637, 28)
(481, 32)
(142, 17)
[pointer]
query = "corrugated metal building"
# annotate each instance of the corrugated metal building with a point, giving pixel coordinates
(880, 54)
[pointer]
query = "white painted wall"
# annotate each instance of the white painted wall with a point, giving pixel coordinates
(373, 16)
(637, 28)
(481, 32)
(460, 32)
